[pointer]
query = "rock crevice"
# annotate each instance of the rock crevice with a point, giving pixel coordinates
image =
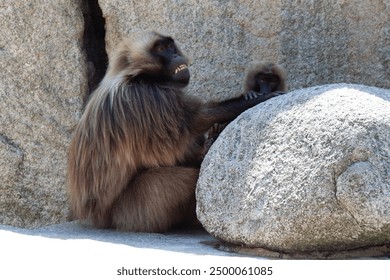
(94, 42)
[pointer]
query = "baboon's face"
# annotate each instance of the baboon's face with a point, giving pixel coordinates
(266, 83)
(174, 64)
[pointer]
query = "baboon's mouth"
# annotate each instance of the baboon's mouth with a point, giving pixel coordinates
(181, 68)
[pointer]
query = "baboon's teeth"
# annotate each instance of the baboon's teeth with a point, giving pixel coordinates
(180, 68)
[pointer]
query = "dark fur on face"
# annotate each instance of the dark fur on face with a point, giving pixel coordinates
(272, 72)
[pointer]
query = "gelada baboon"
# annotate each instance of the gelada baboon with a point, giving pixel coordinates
(135, 154)
(261, 78)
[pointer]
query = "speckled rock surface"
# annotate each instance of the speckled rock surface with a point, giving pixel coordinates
(306, 171)
(42, 81)
(317, 42)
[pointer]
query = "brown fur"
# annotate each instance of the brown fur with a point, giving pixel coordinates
(135, 154)
(256, 67)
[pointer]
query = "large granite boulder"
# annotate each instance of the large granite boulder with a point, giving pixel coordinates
(306, 171)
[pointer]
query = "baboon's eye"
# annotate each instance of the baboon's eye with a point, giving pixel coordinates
(161, 48)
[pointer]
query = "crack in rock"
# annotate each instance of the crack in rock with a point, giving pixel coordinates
(94, 42)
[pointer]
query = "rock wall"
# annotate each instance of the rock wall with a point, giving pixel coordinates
(336, 41)
(53, 53)
(317, 42)
(42, 79)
